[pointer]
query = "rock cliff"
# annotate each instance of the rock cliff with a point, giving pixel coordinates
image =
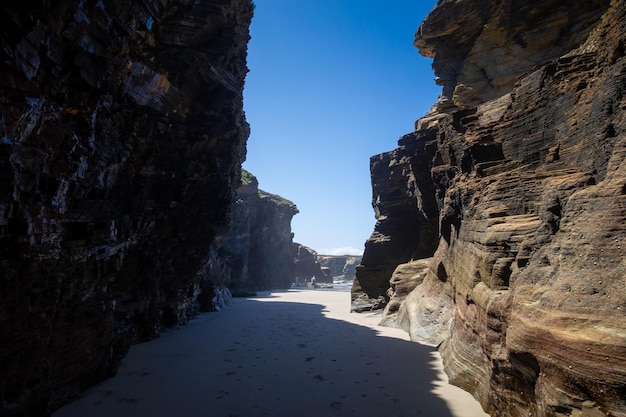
(325, 268)
(341, 267)
(121, 140)
(254, 251)
(306, 265)
(501, 220)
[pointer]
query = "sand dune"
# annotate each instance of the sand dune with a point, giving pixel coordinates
(292, 353)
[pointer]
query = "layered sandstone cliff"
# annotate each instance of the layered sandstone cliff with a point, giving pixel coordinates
(504, 214)
(121, 140)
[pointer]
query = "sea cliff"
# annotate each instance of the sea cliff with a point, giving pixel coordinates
(501, 228)
(121, 141)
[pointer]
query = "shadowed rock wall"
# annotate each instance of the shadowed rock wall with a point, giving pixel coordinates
(121, 140)
(504, 214)
(306, 266)
(254, 251)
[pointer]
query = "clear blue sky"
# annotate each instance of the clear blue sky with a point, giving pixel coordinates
(331, 83)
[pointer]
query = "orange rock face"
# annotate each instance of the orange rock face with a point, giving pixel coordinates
(526, 153)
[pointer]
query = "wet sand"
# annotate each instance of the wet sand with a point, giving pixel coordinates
(292, 353)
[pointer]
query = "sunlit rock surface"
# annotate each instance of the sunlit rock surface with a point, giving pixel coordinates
(508, 207)
(121, 140)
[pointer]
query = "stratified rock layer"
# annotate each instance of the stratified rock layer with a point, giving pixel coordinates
(520, 171)
(121, 140)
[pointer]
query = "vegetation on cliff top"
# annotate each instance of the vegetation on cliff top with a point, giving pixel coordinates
(247, 177)
(281, 201)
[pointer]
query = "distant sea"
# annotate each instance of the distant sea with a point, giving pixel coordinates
(340, 285)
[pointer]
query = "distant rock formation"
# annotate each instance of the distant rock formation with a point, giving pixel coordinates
(324, 268)
(341, 267)
(504, 214)
(254, 251)
(306, 266)
(121, 140)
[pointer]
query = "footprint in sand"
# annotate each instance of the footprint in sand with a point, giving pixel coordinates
(336, 405)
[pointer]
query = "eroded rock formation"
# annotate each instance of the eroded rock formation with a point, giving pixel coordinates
(504, 213)
(254, 251)
(121, 140)
(341, 267)
(325, 268)
(306, 265)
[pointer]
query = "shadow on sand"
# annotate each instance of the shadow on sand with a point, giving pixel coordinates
(265, 357)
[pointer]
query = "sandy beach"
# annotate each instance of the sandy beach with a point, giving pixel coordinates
(291, 353)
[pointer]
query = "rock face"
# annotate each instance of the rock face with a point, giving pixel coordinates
(306, 265)
(325, 268)
(504, 214)
(254, 251)
(406, 226)
(342, 267)
(121, 142)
